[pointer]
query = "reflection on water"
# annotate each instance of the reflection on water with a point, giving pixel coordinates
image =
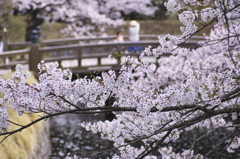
(69, 137)
(206, 144)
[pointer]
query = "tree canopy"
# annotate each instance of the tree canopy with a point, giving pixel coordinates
(154, 103)
(83, 17)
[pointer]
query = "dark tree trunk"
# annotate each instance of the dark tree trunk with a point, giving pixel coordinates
(29, 32)
(109, 102)
(32, 22)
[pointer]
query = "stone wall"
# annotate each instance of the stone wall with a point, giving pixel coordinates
(42, 148)
(31, 143)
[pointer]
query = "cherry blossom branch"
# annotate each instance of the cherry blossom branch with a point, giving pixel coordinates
(176, 126)
(202, 28)
(141, 156)
(228, 136)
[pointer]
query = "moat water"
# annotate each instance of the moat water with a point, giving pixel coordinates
(67, 136)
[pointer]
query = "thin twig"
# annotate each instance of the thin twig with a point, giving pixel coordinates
(221, 142)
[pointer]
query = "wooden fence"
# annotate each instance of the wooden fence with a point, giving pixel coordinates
(64, 50)
(67, 41)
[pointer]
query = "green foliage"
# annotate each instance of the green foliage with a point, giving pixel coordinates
(117, 56)
(16, 28)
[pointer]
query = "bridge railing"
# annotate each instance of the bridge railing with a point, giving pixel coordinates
(67, 41)
(75, 54)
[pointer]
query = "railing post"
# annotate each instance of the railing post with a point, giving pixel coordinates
(80, 58)
(34, 56)
(99, 61)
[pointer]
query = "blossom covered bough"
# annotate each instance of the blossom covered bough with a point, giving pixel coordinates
(154, 103)
(82, 16)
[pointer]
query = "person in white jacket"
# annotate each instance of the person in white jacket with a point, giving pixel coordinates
(134, 31)
(1, 46)
(134, 36)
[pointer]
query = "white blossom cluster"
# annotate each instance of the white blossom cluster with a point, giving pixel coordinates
(4, 124)
(172, 6)
(187, 18)
(208, 14)
(190, 88)
(235, 143)
(196, 2)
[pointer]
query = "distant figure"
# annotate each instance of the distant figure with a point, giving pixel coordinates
(1, 46)
(134, 31)
(2, 39)
(134, 36)
(120, 38)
